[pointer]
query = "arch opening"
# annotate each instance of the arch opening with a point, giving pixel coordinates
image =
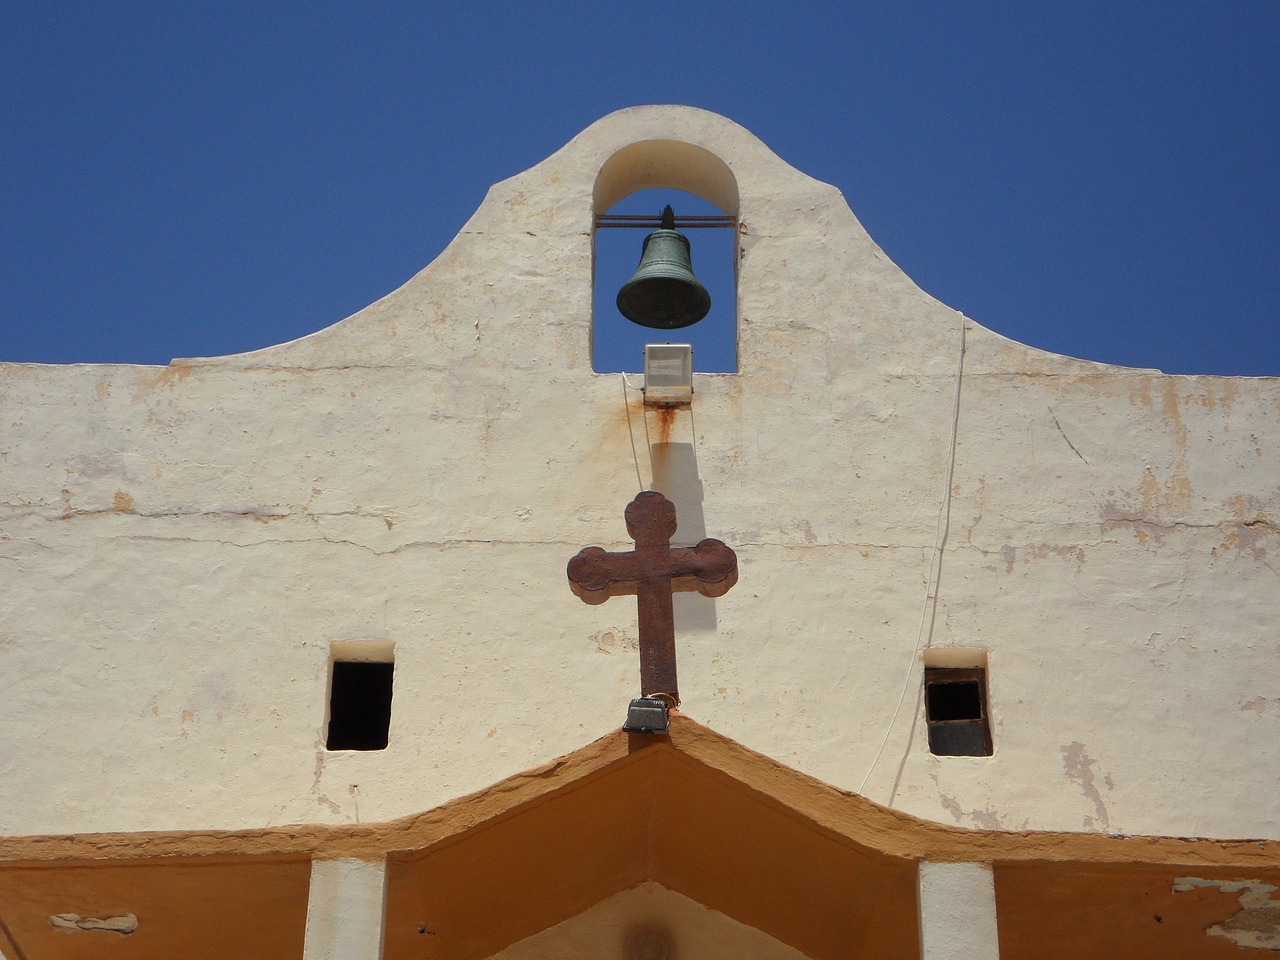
(640, 180)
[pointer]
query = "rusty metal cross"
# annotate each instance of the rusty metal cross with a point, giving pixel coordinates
(653, 571)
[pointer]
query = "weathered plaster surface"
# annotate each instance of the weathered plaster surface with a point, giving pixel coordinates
(1256, 925)
(181, 545)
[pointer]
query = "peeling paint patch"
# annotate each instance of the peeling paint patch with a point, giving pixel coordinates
(98, 465)
(987, 819)
(168, 376)
(1079, 767)
(1170, 495)
(1256, 924)
(1042, 551)
(73, 921)
(1008, 554)
(1261, 704)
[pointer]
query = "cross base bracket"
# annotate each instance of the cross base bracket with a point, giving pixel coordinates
(646, 715)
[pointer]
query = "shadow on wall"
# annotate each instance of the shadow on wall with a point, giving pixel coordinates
(675, 476)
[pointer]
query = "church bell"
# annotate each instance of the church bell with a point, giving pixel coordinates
(664, 293)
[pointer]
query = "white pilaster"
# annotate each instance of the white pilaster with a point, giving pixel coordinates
(957, 912)
(345, 909)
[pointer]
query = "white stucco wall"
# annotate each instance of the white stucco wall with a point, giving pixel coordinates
(957, 912)
(346, 904)
(181, 545)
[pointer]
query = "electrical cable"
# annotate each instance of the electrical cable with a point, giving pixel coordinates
(626, 412)
(934, 580)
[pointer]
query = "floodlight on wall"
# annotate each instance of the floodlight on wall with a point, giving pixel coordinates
(663, 293)
(668, 373)
(647, 715)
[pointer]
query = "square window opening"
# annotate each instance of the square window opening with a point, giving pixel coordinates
(359, 705)
(954, 701)
(956, 711)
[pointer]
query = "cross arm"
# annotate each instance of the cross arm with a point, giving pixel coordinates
(595, 575)
(710, 568)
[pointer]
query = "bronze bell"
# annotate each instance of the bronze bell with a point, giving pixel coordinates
(664, 293)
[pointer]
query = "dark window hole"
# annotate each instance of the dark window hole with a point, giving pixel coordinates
(955, 701)
(359, 705)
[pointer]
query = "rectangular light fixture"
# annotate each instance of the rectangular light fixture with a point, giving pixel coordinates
(668, 373)
(646, 715)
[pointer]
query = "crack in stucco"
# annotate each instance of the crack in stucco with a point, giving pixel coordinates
(311, 368)
(1064, 435)
(1072, 550)
(320, 537)
(739, 543)
(1256, 924)
(1176, 524)
(259, 516)
(1238, 534)
(320, 797)
(1017, 375)
(808, 539)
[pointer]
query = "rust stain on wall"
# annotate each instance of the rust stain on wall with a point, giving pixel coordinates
(666, 420)
(165, 377)
(1173, 412)
(1220, 392)
(1172, 494)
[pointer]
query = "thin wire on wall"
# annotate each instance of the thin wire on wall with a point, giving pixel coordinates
(934, 580)
(626, 412)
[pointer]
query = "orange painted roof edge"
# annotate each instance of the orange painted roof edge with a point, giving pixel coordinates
(828, 808)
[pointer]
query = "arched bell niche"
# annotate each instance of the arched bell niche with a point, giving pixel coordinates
(639, 180)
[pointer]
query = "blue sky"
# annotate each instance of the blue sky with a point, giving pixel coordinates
(192, 179)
